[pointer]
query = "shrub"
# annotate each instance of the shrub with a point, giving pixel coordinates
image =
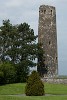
(34, 86)
(1, 78)
(7, 73)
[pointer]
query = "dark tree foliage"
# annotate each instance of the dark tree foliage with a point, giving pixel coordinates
(7, 73)
(41, 67)
(7, 39)
(34, 86)
(18, 45)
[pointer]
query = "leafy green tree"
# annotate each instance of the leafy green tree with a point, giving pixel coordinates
(27, 50)
(22, 71)
(18, 45)
(7, 37)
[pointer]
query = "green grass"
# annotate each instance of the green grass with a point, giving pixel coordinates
(55, 88)
(33, 98)
(19, 88)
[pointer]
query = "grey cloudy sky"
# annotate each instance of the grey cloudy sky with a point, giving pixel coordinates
(27, 11)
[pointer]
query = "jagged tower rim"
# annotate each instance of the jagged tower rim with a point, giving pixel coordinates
(46, 6)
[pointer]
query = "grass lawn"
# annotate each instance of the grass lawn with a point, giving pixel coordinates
(55, 88)
(33, 98)
(19, 88)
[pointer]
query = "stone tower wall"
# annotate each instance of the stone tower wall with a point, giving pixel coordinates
(47, 35)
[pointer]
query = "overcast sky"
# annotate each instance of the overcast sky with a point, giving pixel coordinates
(19, 11)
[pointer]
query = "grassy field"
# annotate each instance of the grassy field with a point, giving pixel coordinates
(55, 88)
(33, 98)
(18, 88)
(10, 91)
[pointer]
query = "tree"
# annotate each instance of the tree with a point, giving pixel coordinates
(27, 50)
(7, 38)
(34, 86)
(18, 45)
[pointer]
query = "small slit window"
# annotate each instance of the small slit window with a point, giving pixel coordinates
(51, 12)
(49, 43)
(56, 58)
(44, 11)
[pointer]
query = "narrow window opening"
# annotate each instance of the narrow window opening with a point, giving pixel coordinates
(56, 58)
(51, 12)
(49, 43)
(44, 11)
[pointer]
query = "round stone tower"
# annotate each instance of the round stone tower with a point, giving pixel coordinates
(47, 36)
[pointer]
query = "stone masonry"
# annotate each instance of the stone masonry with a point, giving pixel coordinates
(55, 80)
(47, 36)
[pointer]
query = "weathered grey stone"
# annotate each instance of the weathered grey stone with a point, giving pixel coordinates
(47, 35)
(54, 80)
